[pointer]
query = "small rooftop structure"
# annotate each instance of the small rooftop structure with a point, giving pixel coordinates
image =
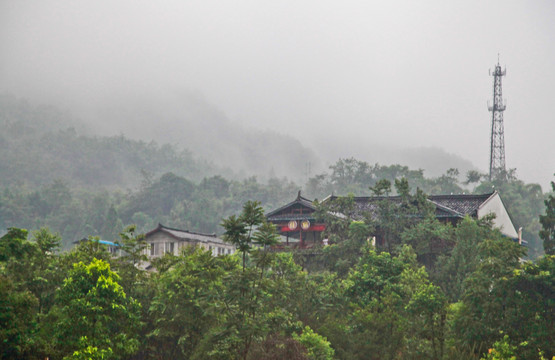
(113, 248)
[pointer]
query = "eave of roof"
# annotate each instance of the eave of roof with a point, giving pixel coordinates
(299, 200)
(179, 234)
(100, 241)
(448, 210)
(456, 205)
(288, 217)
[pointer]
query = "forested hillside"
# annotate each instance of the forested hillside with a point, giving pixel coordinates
(41, 144)
(54, 173)
(189, 121)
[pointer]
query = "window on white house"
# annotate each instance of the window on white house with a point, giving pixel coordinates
(169, 247)
(152, 249)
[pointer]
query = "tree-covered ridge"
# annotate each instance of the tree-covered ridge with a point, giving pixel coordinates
(191, 139)
(179, 202)
(349, 300)
(171, 200)
(547, 233)
(40, 144)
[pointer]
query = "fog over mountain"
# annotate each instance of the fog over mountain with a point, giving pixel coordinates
(267, 88)
(188, 120)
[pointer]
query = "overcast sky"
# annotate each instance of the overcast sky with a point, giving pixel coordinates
(396, 73)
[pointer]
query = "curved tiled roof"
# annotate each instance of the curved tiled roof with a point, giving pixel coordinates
(299, 200)
(456, 205)
(462, 204)
(288, 217)
(186, 235)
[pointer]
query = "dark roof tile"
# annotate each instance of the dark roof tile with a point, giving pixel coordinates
(458, 205)
(186, 235)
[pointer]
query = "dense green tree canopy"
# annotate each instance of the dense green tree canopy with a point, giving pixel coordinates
(547, 233)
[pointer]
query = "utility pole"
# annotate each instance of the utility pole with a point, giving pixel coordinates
(497, 148)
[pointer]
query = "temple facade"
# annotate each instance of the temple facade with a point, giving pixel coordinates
(296, 221)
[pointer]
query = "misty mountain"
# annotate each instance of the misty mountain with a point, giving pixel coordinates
(20, 117)
(433, 160)
(40, 144)
(188, 121)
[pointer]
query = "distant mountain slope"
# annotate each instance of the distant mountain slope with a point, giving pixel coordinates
(434, 161)
(188, 120)
(39, 144)
(42, 143)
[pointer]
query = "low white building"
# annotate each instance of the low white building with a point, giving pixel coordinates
(164, 240)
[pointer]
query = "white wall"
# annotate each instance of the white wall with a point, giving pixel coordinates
(502, 219)
(160, 238)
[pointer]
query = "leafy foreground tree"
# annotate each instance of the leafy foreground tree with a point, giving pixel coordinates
(29, 277)
(17, 313)
(318, 347)
(502, 350)
(249, 292)
(128, 264)
(503, 295)
(94, 316)
(187, 302)
(246, 306)
(453, 268)
(530, 304)
(547, 233)
(393, 310)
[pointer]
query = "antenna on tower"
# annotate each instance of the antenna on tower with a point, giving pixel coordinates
(497, 143)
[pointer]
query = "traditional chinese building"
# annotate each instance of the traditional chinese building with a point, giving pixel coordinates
(448, 208)
(296, 221)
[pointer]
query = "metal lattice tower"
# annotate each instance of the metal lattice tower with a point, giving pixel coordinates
(497, 150)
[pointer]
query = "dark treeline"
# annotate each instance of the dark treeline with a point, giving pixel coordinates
(470, 298)
(77, 212)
